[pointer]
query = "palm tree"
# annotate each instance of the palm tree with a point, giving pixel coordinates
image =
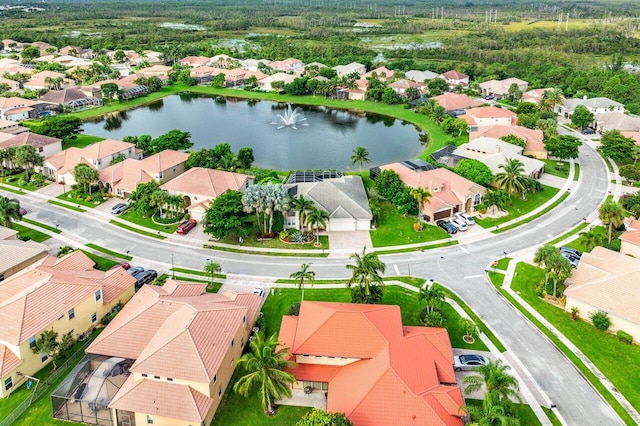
(264, 365)
(366, 271)
(212, 268)
(611, 214)
(635, 154)
(559, 270)
(422, 195)
(301, 205)
(360, 155)
(512, 179)
(318, 218)
(4, 156)
(28, 158)
(159, 199)
(433, 296)
(550, 99)
(591, 239)
(500, 385)
(491, 414)
(542, 257)
(495, 199)
(84, 175)
(9, 211)
(303, 274)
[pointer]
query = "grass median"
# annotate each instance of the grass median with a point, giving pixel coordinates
(109, 252)
(137, 231)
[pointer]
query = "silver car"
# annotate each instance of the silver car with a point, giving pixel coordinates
(458, 223)
(467, 362)
(119, 208)
(465, 218)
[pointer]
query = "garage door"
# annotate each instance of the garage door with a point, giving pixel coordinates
(442, 214)
(341, 225)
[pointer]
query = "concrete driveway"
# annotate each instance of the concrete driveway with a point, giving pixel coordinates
(349, 241)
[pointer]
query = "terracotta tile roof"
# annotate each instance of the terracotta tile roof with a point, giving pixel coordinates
(388, 74)
(633, 135)
(534, 95)
(315, 372)
(14, 102)
(207, 183)
(163, 399)
(404, 375)
(16, 252)
(65, 161)
(194, 60)
(163, 161)
(8, 361)
(128, 174)
(157, 69)
(491, 112)
(20, 110)
(454, 75)
(27, 298)
(28, 138)
(608, 281)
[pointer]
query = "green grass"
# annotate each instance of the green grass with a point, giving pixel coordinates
(576, 174)
(137, 231)
(264, 253)
(32, 234)
(13, 181)
(566, 235)
(557, 168)
(276, 244)
(82, 141)
(9, 188)
(419, 248)
(535, 216)
(502, 264)
(519, 207)
(66, 206)
(133, 217)
(41, 225)
(578, 243)
(109, 252)
(604, 350)
(394, 229)
(196, 272)
(522, 411)
(101, 263)
(68, 196)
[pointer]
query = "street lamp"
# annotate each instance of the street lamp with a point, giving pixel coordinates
(57, 226)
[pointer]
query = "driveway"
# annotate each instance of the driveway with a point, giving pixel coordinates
(52, 190)
(349, 241)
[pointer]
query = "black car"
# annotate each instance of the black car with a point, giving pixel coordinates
(447, 226)
(588, 131)
(145, 278)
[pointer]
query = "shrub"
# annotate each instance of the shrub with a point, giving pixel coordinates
(417, 227)
(434, 319)
(88, 198)
(294, 309)
(600, 320)
(575, 313)
(624, 337)
(374, 297)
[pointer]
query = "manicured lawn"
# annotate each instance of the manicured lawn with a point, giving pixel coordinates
(557, 168)
(265, 253)
(109, 252)
(82, 141)
(66, 206)
(133, 217)
(101, 263)
(523, 412)
(519, 207)
(68, 196)
(137, 231)
(15, 178)
(196, 272)
(576, 173)
(10, 188)
(503, 263)
(394, 229)
(578, 243)
(603, 349)
(41, 225)
(32, 234)
(566, 235)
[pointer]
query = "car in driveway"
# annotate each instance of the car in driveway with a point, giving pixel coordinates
(135, 270)
(573, 252)
(186, 226)
(449, 227)
(22, 211)
(124, 265)
(588, 131)
(145, 278)
(119, 208)
(574, 260)
(465, 218)
(460, 224)
(468, 362)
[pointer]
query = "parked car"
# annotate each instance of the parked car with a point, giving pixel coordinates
(574, 260)
(135, 270)
(145, 278)
(466, 218)
(460, 224)
(186, 226)
(468, 362)
(258, 291)
(124, 265)
(449, 227)
(22, 211)
(573, 252)
(488, 98)
(588, 131)
(119, 208)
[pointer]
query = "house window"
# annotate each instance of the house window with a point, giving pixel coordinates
(220, 391)
(145, 375)
(8, 383)
(72, 313)
(32, 342)
(149, 419)
(94, 318)
(98, 295)
(40, 149)
(215, 378)
(169, 379)
(477, 200)
(232, 343)
(44, 357)
(244, 320)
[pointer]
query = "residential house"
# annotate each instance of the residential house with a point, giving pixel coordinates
(72, 51)
(450, 192)
(265, 84)
(401, 86)
(495, 152)
(70, 99)
(456, 102)
(353, 67)
(200, 186)
(64, 295)
(14, 69)
(420, 76)
(9, 45)
(16, 109)
(153, 58)
(343, 197)
(314, 65)
(182, 344)
(222, 61)
(123, 178)
(501, 87)
(11, 127)
(632, 135)
(607, 281)
(253, 64)
(361, 361)
(630, 238)
(595, 105)
(44, 47)
(129, 88)
(205, 74)
(194, 61)
(614, 120)
(13, 85)
(380, 73)
(16, 255)
(98, 156)
(534, 95)
(161, 71)
(289, 66)
(533, 138)
(455, 79)
(44, 145)
(489, 116)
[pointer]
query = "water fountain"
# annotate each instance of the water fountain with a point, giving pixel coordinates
(290, 118)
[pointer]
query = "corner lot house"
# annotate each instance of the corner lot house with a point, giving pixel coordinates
(533, 138)
(181, 345)
(620, 121)
(595, 105)
(607, 281)
(64, 294)
(450, 192)
(343, 197)
(353, 67)
(501, 87)
(44, 145)
(370, 367)
(200, 186)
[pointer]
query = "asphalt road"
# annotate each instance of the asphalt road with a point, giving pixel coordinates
(460, 268)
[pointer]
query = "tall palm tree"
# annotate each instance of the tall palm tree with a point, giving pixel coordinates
(591, 239)
(499, 383)
(366, 271)
(317, 218)
(212, 268)
(611, 214)
(559, 270)
(4, 157)
(512, 178)
(495, 199)
(84, 175)
(302, 206)
(264, 365)
(360, 155)
(159, 199)
(9, 211)
(422, 195)
(433, 296)
(303, 274)
(550, 99)
(542, 258)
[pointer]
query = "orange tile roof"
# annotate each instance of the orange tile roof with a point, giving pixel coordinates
(8, 361)
(163, 399)
(491, 112)
(28, 138)
(205, 182)
(404, 375)
(15, 102)
(633, 135)
(65, 161)
(27, 298)
(454, 101)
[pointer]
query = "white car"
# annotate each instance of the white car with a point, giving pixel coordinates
(468, 362)
(465, 218)
(460, 224)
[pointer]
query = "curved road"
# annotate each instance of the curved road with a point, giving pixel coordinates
(461, 268)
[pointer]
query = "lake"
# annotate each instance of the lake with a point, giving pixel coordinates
(324, 140)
